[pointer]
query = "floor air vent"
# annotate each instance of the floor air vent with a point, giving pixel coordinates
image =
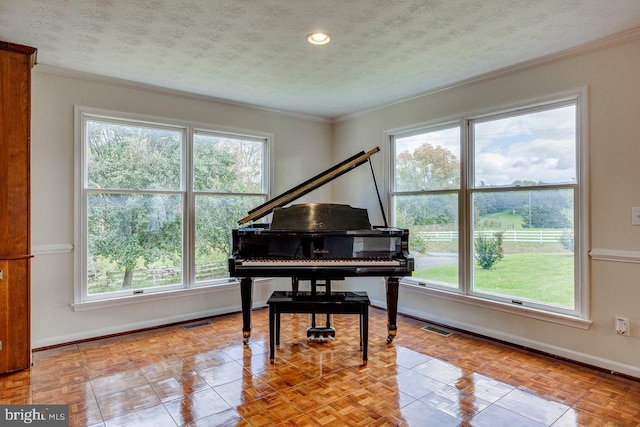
(196, 325)
(438, 331)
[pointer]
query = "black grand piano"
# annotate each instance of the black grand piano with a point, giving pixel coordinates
(319, 242)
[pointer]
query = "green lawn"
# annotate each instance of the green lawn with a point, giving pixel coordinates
(504, 219)
(546, 278)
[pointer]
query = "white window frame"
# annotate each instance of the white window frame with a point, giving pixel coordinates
(82, 299)
(580, 315)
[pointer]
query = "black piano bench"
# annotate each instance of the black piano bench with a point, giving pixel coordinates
(332, 303)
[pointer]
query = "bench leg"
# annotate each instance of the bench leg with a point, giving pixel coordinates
(365, 333)
(277, 328)
(361, 329)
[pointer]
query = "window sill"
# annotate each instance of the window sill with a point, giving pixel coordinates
(561, 319)
(158, 296)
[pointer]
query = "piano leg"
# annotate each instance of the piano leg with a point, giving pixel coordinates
(274, 331)
(393, 284)
(246, 295)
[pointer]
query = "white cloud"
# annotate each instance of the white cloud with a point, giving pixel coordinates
(538, 146)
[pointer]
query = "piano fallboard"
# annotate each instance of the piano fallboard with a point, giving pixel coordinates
(261, 252)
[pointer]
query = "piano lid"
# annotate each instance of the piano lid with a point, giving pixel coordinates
(309, 185)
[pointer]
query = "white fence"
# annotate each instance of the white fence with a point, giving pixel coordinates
(147, 277)
(513, 236)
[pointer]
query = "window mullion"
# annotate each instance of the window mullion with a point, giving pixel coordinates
(466, 214)
(188, 244)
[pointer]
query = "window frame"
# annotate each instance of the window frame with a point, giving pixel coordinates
(577, 317)
(82, 299)
(420, 129)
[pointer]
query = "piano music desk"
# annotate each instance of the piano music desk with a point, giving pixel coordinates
(303, 302)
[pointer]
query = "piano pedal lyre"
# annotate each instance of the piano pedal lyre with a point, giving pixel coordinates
(321, 333)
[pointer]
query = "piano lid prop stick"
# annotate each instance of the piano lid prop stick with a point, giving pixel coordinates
(309, 185)
(384, 217)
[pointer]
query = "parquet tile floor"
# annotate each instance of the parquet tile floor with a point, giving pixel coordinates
(205, 376)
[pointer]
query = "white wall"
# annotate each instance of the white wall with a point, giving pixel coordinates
(52, 192)
(614, 108)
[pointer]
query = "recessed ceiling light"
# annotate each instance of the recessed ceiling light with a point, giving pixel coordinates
(318, 38)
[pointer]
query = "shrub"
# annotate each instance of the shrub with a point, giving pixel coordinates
(488, 250)
(567, 240)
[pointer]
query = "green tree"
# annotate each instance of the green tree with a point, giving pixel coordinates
(545, 209)
(223, 166)
(137, 198)
(130, 230)
(429, 167)
(133, 229)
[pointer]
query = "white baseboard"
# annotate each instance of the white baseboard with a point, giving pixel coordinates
(96, 333)
(563, 352)
(120, 329)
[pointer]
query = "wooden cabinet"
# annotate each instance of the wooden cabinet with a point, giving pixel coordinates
(15, 235)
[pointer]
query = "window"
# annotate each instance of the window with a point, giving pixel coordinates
(494, 205)
(426, 200)
(158, 201)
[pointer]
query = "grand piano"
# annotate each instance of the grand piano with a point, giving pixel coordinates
(319, 242)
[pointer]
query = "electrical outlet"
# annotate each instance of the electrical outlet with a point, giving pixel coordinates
(635, 216)
(622, 326)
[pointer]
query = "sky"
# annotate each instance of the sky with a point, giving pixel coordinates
(537, 146)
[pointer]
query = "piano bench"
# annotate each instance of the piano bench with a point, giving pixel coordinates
(333, 303)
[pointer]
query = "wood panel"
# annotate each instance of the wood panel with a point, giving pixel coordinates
(15, 204)
(14, 320)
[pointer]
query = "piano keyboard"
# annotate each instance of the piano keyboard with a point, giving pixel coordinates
(317, 262)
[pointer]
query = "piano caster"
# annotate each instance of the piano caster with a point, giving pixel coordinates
(245, 337)
(392, 335)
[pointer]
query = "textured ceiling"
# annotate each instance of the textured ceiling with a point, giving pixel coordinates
(255, 52)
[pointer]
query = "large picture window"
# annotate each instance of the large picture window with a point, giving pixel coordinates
(157, 202)
(494, 205)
